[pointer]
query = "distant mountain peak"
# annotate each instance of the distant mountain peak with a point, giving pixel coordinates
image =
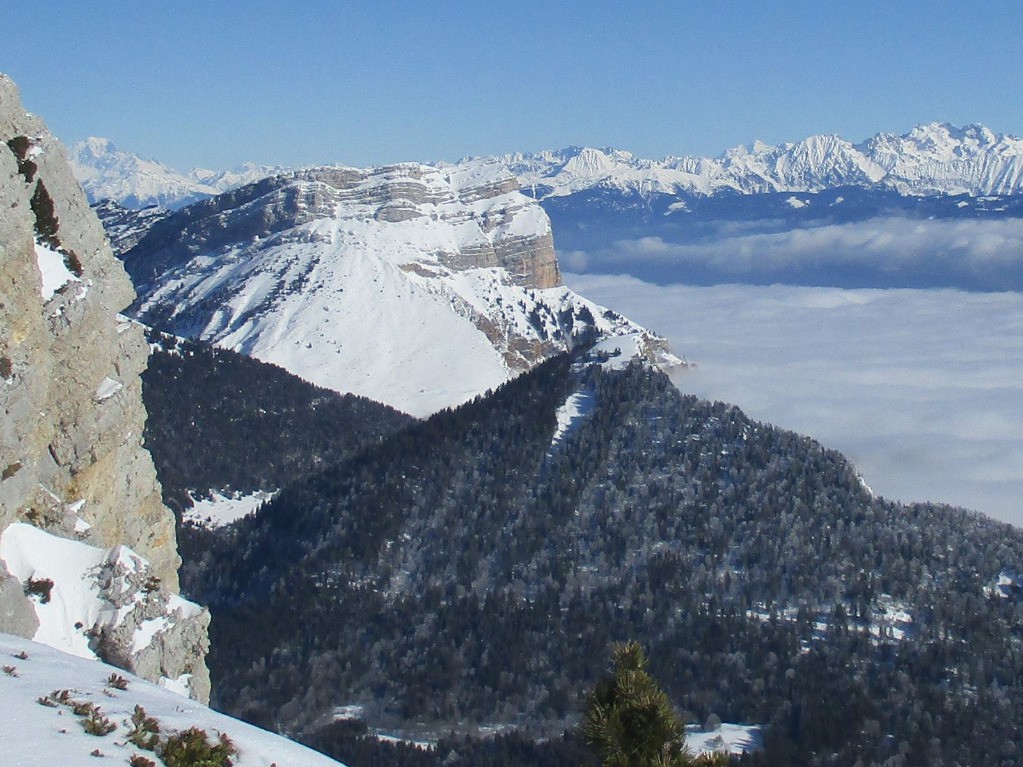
(109, 173)
(97, 147)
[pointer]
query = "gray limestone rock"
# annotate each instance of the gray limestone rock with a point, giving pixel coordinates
(71, 454)
(16, 613)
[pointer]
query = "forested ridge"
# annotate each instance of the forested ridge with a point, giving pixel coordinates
(219, 420)
(465, 571)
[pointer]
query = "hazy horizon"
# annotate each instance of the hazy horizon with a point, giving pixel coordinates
(218, 84)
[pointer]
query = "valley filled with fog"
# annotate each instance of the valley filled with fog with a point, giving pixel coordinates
(919, 388)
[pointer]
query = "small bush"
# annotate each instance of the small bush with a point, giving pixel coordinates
(21, 655)
(39, 587)
(137, 760)
(20, 146)
(47, 701)
(82, 707)
(10, 670)
(72, 262)
(191, 748)
(117, 681)
(97, 724)
(47, 224)
(145, 730)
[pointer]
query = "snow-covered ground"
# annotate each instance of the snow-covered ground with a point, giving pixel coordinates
(78, 590)
(733, 738)
(919, 388)
(888, 619)
(36, 735)
(220, 509)
(578, 405)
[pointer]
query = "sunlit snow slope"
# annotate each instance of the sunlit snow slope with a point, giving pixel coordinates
(416, 286)
(36, 735)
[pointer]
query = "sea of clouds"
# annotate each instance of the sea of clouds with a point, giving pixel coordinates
(921, 389)
(971, 254)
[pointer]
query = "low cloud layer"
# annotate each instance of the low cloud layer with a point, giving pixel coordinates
(970, 254)
(920, 389)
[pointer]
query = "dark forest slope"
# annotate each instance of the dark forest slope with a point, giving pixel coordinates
(465, 570)
(223, 421)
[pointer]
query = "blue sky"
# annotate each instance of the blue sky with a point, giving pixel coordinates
(217, 83)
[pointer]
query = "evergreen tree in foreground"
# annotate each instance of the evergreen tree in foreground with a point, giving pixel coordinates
(630, 722)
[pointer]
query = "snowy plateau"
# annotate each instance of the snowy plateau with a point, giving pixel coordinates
(416, 286)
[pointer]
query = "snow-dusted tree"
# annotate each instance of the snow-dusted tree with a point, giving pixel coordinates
(629, 720)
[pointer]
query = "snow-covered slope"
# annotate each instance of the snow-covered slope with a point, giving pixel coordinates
(931, 159)
(416, 286)
(107, 173)
(940, 158)
(36, 730)
(106, 603)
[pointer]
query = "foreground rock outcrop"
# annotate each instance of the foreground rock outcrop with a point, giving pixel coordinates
(71, 456)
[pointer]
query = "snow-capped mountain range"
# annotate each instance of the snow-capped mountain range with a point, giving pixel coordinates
(932, 159)
(413, 285)
(107, 173)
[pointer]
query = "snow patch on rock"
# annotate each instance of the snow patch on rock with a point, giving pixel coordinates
(54, 271)
(105, 603)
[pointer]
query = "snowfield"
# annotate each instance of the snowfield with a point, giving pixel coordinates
(219, 509)
(35, 735)
(85, 581)
(732, 738)
(54, 271)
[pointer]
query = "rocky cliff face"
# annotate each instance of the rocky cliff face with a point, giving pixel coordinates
(470, 216)
(71, 458)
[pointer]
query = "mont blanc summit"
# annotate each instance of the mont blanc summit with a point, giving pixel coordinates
(109, 173)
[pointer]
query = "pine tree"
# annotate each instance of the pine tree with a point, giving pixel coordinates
(630, 722)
